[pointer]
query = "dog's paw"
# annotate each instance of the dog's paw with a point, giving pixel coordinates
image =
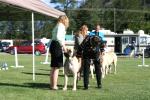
(64, 89)
(74, 89)
(103, 76)
(93, 77)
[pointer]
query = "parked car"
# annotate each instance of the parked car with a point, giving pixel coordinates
(26, 47)
(147, 52)
(4, 46)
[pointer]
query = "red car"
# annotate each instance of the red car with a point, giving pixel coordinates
(26, 47)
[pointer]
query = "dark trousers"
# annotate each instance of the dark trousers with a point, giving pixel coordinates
(86, 69)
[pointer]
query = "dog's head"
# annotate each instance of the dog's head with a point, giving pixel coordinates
(91, 41)
(95, 41)
(91, 46)
(68, 53)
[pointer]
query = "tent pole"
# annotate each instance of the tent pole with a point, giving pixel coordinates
(33, 62)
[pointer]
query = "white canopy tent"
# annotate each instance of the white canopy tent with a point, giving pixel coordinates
(33, 6)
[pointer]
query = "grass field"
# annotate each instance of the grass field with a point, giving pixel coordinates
(130, 83)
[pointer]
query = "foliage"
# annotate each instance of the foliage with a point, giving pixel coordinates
(22, 29)
(127, 18)
(121, 13)
(115, 15)
(65, 4)
(45, 29)
(16, 29)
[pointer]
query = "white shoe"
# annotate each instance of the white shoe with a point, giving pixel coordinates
(54, 88)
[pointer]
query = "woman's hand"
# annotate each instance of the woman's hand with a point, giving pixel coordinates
(64, 48)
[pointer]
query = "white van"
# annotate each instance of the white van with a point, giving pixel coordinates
(9, 41)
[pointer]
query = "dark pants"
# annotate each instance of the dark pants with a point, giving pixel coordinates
(86, 69)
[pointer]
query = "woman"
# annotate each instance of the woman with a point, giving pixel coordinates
(79, 37)
(56, 49)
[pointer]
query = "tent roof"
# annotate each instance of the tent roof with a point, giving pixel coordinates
(9, 7)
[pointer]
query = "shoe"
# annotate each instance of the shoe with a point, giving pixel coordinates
(99, 86)
(85, 88)
(54, 88)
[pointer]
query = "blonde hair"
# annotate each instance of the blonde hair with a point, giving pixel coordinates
(64, 20)
(83, 30)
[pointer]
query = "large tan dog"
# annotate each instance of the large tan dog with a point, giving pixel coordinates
(72, 65)
(107, 59)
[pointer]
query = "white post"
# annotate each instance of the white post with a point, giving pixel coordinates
(16, 60)
(143, 61)
(33, 62)
(72, 34)
(46, 58)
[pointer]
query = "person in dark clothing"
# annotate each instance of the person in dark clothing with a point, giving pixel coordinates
(80, 36)
(91, 48)
(86, 64)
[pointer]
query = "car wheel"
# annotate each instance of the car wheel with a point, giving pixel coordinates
(37, 53)
(12, 52)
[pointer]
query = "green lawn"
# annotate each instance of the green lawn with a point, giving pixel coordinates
(130, 83)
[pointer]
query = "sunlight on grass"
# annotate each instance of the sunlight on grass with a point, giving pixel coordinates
(130, 83)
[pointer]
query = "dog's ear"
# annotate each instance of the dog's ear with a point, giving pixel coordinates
(95, 41)
(69, 51)
(66, 54)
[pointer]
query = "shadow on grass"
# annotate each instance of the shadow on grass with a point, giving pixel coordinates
(43, 86)
(35, 73)
(47, 86)
(60, 75)
(44, 69)
(38, 85)
(60, 70)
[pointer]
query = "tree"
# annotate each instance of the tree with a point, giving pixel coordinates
(116, 15)
(3, 28)
(65, 5)
(129, 15)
